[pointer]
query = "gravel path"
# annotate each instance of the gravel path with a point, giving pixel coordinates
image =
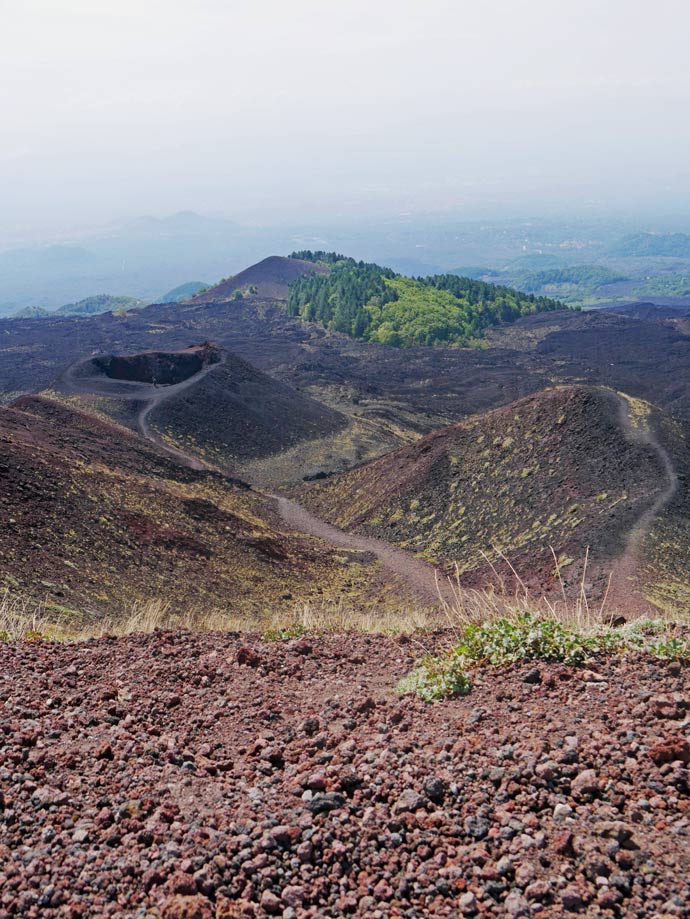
(412, 573)
(624, 593)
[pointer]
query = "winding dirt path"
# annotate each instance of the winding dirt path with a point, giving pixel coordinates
(624, 589)
(418, 577)
(160, 396)
(428, 584)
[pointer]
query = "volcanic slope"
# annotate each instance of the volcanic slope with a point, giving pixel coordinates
(95, 518)
(574, 468)
(202, 400)
(269, 278)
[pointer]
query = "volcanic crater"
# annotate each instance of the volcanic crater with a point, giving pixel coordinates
(162, 368)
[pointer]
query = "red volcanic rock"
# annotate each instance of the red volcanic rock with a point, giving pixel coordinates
(585, 784)
(181, 907)
(673, 749)
(105, 751)
(247, 657)
(270, 791)
(270, 902)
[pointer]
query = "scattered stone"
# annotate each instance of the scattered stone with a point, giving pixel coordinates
(408, 801)
(467, 904)
(563, 844)
(516, 905)
(247, 657)
(477, 827)
(270, 902)
(181, 907)
(571, 898)
(561, 800)
(294, 896)
(435, 790)
(585, 784)
(561, 811)
(671, 750)
(322, 803)
(105, 751)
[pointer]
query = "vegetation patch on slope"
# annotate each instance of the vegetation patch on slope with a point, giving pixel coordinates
(376, 304)
(532, 637)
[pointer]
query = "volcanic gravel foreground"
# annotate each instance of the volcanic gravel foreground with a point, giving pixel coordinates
(196, 776)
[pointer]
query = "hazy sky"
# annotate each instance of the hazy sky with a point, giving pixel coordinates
(304, 109)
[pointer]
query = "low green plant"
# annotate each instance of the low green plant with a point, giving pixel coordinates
(437, 678)
(529, 636)
(671, 646)
(285, 633)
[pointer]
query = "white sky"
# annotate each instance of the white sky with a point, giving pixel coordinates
(298, 109)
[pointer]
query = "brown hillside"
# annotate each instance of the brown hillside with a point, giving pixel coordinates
(393, 395)
(202, 399)
(94, 518)
(236, 413)
(271, 277)
(571, 468)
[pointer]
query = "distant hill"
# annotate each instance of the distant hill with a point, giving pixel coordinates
(137, 256)
(583, 277)
(376, 304)
(476, 272)
(534, 261)
(666, 245)
(31, 312)
(412, 267)
(90, 306)
(182, 292)
(575, 283)
(668, 285)
(269, 279)
(100, 303)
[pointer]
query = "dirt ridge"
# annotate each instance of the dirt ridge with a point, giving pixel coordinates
(624, 588)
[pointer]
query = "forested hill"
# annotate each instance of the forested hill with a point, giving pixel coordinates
(374, 303)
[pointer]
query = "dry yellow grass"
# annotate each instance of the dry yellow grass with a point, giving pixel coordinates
(21, 617)
(24, 618)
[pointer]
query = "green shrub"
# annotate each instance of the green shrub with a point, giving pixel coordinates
(285, 633)
(437, 678)
(530, 637)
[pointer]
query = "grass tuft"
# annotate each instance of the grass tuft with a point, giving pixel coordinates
(21, 619)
